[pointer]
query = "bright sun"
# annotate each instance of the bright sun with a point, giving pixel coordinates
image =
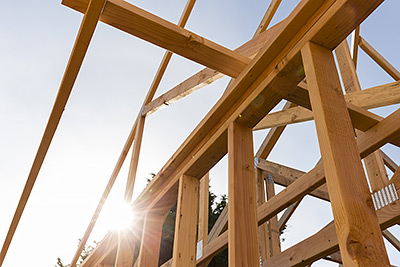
(118, 216)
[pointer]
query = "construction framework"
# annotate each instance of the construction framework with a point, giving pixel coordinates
(294, 61)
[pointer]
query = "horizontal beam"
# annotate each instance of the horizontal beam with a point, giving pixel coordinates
(309, 182)
(325, 242)
(207, 76)
(285, 176)
(379, 96)
(133, 20)
(366, 142)
(257, 90)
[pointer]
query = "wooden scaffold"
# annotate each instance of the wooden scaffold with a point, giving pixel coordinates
(293, 60)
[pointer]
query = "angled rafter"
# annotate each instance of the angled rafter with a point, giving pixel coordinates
(379, 59)
(87, 28)
(167, 35)
(308, 21)
(207, 75)
(383, 95)
(325, 242)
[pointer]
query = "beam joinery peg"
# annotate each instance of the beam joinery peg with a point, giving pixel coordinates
(357, 227)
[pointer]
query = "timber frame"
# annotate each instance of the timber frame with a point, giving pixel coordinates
(293, 61)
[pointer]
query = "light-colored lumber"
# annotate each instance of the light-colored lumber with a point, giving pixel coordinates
(135, 132)
(102, 250)
(78, 53)
(130, 183)
(272, 137)
(207, 76)
(317, 246)
(392, 239)
(347, 68)
(242, 215)
(202, 232)
(379, 96)
(167, 35)
(287, 214)
(184, 252)
(380, 134)
(273, 225)
(374, 165)
(308, 21)
(355, 220)
(325, 242)
(220, 225)
(379, 59)
(389, 162)
(263, 235)
(355, 41)
(151, 240)
(266, 20)
(125, 249)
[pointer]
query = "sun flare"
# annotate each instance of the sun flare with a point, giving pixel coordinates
(118, 216)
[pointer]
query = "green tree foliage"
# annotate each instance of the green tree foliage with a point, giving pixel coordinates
(85, 253)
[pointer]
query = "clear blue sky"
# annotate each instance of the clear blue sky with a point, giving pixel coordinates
(36, 40)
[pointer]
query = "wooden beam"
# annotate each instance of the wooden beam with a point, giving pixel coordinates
(379, 59)
(355, 41)
(392, 239)
(325, 242)
(151, 240)
(389, 162)
(355, 220)
(287, 214)
(266, 20)
(136, 132)
(130, 183)
(374, 165)
(125, 250)
(136, 21)
(273, 225)
(86, 30)
(242, 216)
(263, 235)
(272, 137)
(102, 250)
(184, 253)
(202, 232)
(206, 145)
(383, 95)
(207, 76)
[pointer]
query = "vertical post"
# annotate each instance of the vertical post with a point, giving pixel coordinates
(273, 222)
(151, 240)
(374, 162)
(242, 205)
(357, 227)
(263, 238)
(184, 254)
(203, 209)
(125, 250)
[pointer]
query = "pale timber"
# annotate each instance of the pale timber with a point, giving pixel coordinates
(86, 30)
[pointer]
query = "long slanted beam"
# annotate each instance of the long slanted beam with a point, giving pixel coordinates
(325, 242)
(383, 95)
(366, 142)
(271, 75)
(81, 45)
(136, 132)
(379, 59)
(149, 27)
(207, 76)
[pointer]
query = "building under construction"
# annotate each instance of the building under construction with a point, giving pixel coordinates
(306, 60)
